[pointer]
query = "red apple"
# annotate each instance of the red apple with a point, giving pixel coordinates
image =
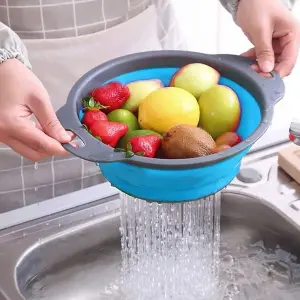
(221, 148)
(195, 78)
(228, 138)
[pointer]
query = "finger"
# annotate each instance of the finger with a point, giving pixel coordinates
(43, 111)
(26, 151)
(37, 125)
(288, 57)
(262, 41)
(70, 133)
(250, 53)
(255, 68)
(38, 140)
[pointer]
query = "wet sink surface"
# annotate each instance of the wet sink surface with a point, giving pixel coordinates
(259, 250)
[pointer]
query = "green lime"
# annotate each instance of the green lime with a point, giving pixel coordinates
(124, 116)
(124, 140)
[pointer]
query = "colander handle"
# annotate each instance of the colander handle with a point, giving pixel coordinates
(273, 87)
(92, 150)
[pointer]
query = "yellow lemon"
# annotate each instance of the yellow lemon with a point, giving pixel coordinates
(168, 107)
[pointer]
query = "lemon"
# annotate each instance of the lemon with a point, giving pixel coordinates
(168, 107)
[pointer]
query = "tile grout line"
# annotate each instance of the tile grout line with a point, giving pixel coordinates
(8, 14)
(23, 181)
(60, 182)
(82, 173)
(103, 15)
(40, 164)
(128, 9)
(69, 28)
(53, 177)
(59, 4)
(42, 19)
(48, 5)
(75, 18)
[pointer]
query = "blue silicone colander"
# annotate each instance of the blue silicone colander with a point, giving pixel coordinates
(174, 180)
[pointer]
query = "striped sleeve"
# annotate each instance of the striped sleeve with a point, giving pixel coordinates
(232, 5)
(11, 46)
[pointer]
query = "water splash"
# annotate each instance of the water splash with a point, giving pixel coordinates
(170, 251)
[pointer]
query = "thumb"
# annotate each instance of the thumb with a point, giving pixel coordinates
(264, 51)
(44, 113)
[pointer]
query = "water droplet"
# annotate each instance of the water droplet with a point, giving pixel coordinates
(36, 189)
(228, 260)
(36, 165)
(233, 289)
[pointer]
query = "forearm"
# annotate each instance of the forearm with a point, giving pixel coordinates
(232, 5)
(11, 46)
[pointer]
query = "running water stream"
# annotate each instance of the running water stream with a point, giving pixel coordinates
(170, 251)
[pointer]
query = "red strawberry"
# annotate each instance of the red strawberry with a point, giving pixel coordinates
(92, 116)
(144, 145)
(89, 103)
(108, 132)
(113, 95)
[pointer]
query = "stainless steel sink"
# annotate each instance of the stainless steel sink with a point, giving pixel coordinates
(79, 252)
(75, 254)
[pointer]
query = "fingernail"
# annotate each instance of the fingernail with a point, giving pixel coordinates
(64, 136)
(267, 66)
(71, 135)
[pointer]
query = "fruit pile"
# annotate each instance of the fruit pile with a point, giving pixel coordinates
(194, 116)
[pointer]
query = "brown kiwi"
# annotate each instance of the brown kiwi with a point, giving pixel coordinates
(186, 141)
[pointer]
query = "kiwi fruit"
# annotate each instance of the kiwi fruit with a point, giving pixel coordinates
(186, 141)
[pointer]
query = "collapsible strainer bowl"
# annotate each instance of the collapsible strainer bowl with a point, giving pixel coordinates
(174, 180)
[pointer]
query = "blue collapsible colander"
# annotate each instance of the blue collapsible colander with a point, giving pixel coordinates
(174, 180)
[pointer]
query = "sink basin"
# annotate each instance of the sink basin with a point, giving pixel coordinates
(76, 255)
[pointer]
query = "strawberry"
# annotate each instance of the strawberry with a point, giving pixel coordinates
(112, 95)
(92, 116)
(108, 132)
(144, 145)
(88, 103)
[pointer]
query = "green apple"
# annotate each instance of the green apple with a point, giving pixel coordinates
(195, 78)
(220, 110)
(139, 90)
(124, 116)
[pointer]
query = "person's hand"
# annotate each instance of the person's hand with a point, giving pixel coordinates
(21, 95)
(274, 32)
